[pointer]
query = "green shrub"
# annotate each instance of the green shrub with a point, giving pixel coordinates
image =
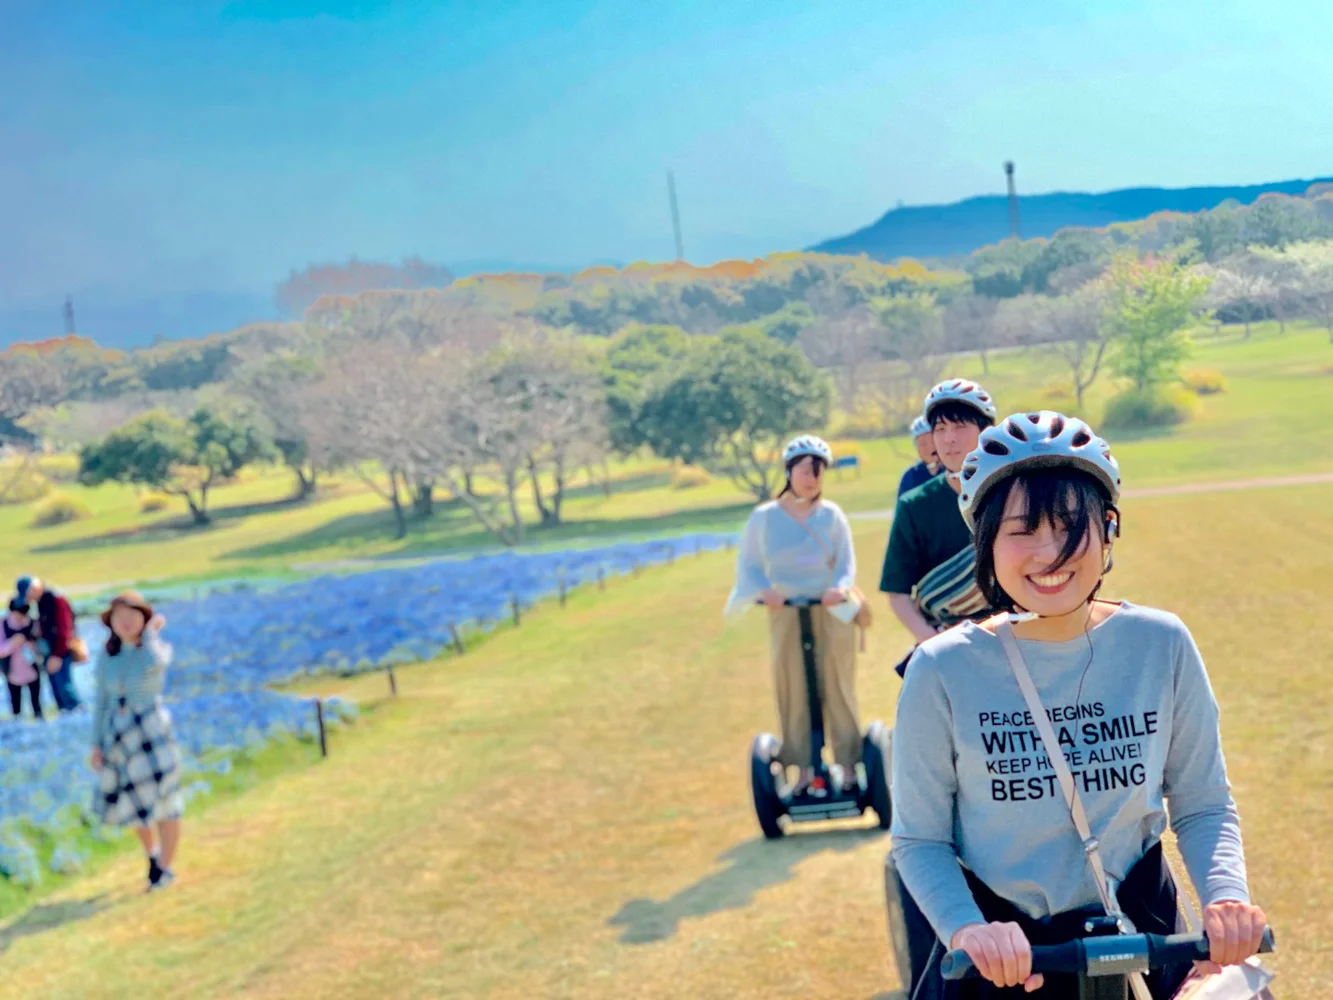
(1135, 409)
(58, 508)
(22, 482)
(688, 477)
(1206, 382)
(865, 424)
(151, 503)
(62, 467)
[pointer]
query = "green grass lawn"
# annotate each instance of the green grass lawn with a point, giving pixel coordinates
(1274, 419)
(564, 811)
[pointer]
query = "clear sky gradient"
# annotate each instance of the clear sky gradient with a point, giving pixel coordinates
(190, 144)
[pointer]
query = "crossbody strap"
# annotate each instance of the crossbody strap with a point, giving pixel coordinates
(1005, 632)
(829, 558)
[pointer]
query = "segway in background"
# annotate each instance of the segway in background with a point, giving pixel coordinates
(820, 800)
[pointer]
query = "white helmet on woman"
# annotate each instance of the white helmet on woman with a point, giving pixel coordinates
(806, 444)
(920, 426)
(1033, 440)
(960, 390)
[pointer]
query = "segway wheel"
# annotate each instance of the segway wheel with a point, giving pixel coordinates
(764, 784)
(877, 756)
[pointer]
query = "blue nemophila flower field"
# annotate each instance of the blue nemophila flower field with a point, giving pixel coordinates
(230, 648)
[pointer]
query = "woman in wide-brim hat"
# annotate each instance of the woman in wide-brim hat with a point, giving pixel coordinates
(134, 746)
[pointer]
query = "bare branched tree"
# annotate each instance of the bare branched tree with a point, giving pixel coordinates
(1073, 325)
(845, 344)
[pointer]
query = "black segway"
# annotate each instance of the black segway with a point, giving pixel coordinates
(819, 800)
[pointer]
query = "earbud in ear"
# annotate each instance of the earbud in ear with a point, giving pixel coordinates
(1112, 531)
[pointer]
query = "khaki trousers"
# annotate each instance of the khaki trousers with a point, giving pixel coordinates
(835, 662)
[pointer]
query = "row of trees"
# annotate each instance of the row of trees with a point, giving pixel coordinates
(1039, 266)
(480, 427)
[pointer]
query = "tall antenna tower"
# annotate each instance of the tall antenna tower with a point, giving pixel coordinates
(69, 316)
(675, 215)
(1013, 200)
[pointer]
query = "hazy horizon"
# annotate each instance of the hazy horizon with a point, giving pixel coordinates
(213, 147)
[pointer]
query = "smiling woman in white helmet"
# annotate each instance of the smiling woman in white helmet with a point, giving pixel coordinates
(800, 545)
(1122, 690)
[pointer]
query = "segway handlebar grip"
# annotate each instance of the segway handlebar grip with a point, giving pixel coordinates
(1176, 949)
(1067, 957)
(799, 602)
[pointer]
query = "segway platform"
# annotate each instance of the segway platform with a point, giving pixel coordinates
(819, 800)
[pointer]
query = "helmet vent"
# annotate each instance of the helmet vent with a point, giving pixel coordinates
(1034, 418)
(1081, 437)
(1057, 425)
(994, 447)
(969, 472)
(1018, 432)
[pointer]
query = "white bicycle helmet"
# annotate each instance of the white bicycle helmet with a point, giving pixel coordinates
(806, 444)
(960, 390)
(1033, 440)
(920, 426)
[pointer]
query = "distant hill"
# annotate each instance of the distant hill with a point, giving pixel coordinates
(924, 231)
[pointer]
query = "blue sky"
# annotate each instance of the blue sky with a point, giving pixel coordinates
(156, 147)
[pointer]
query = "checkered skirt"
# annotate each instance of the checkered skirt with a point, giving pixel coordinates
(141, 766)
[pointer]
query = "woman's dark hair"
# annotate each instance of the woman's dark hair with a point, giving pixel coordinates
(17, 605)
(959, 413)
(1062, 496)
(815, 459)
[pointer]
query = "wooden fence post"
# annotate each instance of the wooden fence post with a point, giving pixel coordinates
(562, 590)
(393, 682)
(513, 600)
(319, 718)
(458, 640)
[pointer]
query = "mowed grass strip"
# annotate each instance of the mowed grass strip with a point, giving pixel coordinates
(564, 811)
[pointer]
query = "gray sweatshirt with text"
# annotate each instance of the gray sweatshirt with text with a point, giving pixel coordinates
(1136, 719)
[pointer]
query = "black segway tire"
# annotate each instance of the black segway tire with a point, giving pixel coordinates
(768, 807)
(910, 935)
(877, 756)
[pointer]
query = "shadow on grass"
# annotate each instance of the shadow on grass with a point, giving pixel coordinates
(51, 916)
(452, 529)
(752, 867)
(171, 527)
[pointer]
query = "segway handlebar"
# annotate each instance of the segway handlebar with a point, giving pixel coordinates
(800, 602)
(1112, 955)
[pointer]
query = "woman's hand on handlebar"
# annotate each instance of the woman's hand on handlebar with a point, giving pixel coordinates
(1001, 953)
(771, 597)
(1235, 931)
(832, 596)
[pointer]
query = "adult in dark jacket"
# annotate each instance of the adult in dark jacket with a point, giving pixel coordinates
(55, 630)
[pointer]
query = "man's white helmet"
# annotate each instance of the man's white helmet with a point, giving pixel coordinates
(806, 444)
(960, 390)
(920, 426)
(1028, 441)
